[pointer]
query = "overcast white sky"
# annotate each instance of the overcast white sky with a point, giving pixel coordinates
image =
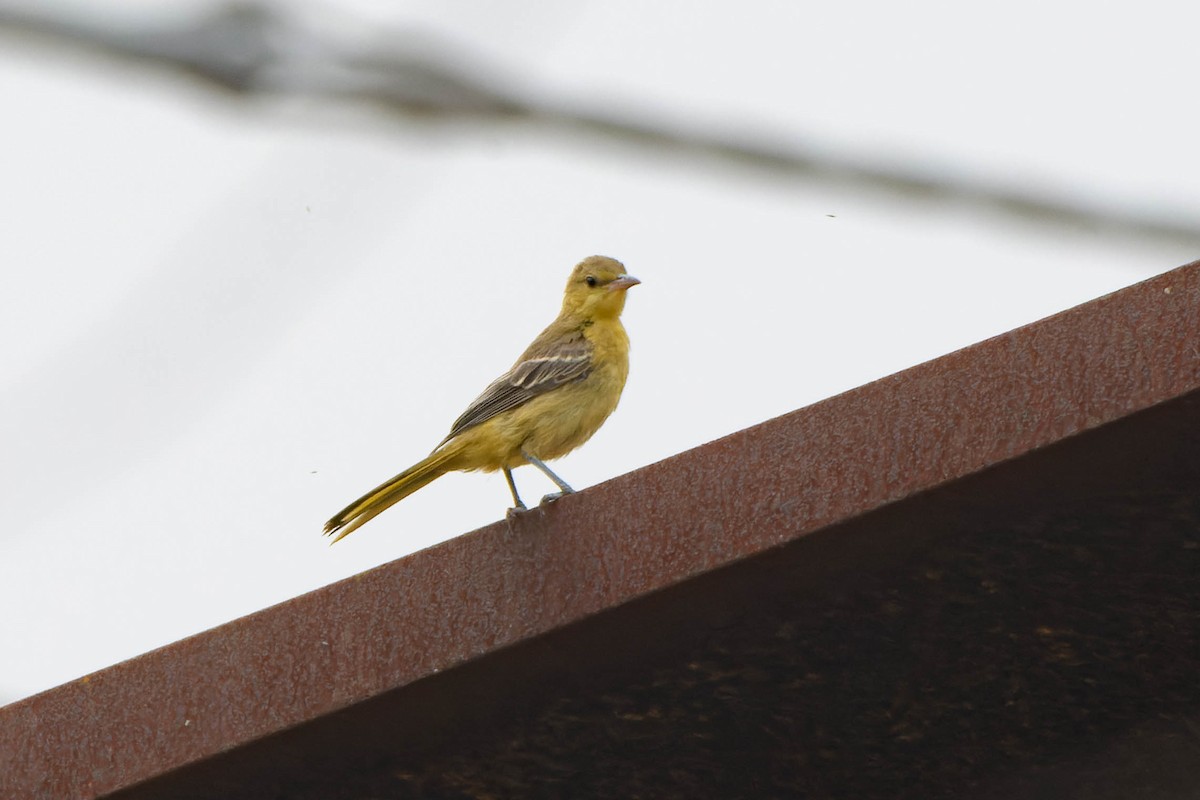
(223, 321)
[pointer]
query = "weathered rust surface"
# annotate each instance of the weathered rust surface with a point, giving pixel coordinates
(677, 519)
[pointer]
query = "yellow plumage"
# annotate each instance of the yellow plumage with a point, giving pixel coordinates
(556, 395)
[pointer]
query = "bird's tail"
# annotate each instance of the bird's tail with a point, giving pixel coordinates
(384, 496)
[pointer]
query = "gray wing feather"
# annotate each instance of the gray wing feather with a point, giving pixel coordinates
(525, 381)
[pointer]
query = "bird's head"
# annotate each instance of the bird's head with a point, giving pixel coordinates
(596, 288)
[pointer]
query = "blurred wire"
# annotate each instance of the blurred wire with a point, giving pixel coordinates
(255, 49)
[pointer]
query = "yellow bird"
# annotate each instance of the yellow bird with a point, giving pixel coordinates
(554, 398)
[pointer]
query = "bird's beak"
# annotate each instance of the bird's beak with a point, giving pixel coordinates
(622, 283)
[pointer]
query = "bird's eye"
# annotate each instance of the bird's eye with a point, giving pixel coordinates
(590, 280)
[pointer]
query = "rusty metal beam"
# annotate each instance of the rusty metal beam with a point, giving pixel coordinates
(666, 523)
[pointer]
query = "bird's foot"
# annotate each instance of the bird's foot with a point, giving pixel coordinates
(515, 511)
(550, 498)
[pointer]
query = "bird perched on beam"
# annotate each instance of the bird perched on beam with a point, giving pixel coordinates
(554, 398)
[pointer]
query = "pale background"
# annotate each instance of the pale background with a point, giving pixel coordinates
(224, 318)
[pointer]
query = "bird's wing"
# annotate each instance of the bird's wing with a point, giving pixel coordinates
(536, 373)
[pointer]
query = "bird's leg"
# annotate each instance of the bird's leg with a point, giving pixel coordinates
(562, 485)
(512, 487)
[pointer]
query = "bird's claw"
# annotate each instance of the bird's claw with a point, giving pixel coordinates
(514, 511)
(550, 498)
